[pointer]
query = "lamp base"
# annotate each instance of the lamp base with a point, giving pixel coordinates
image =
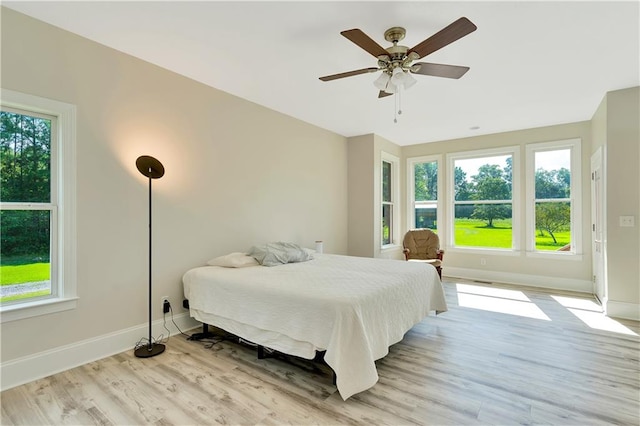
(147, 351)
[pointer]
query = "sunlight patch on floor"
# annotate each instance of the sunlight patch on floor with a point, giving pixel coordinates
(492, 292)
(578, 303)
(590, 313)
(599, 321)
(512, 302)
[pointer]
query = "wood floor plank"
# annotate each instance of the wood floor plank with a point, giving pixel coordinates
(472, 365)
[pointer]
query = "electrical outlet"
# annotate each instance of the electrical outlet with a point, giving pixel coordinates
(166, 305)
(627, 221)
(163, 298)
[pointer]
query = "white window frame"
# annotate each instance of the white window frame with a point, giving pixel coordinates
(385, 157)
(411, 205)
(574, 145)
(514, 151)
(63, 207)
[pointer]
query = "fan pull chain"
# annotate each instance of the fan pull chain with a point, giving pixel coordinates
(397, 109)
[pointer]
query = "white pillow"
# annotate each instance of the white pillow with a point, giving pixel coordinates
(233, 260)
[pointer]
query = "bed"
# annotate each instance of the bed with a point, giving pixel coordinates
(351, 307)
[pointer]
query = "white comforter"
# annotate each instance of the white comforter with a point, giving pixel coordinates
(352, 307)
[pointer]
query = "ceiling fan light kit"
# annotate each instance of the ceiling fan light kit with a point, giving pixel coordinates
(382, 81)
(396, 62)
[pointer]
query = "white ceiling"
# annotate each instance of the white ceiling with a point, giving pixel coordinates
(532, 63)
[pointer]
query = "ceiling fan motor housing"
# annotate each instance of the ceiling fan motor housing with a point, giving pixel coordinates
(397, 58)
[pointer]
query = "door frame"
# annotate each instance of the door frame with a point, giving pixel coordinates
(599, 226)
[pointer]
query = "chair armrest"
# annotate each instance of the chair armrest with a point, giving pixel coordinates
(440, 254)
(406, 253)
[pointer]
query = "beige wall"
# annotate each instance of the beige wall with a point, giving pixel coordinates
(361, 196)
(570, 274)
(237, 174)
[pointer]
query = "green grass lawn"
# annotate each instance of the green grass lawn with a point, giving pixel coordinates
(22, 274)
(475, 233)
(18, 274)
(25, 295)
(545, 242)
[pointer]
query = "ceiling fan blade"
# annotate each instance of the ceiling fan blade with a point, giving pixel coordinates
(445, 36)
(439, 70)
(348, 74)
(365, 42)
(383, 94)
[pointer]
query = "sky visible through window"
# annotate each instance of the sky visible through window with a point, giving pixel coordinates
(548, 160)
(553, 160)
(471, 165)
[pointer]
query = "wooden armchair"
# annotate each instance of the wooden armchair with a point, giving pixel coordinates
(423, 245)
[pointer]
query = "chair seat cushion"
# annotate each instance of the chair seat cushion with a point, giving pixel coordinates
(434, 262)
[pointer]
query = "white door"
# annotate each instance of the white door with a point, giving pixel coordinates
(597, 226)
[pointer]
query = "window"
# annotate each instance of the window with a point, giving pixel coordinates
(26, 142)
(553, 185)
(423, 192)
(37, 195)
(389, 196)
(483, 201)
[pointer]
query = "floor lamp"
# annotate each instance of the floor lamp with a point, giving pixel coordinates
(153, 169)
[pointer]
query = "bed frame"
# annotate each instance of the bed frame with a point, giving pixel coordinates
(261, 352)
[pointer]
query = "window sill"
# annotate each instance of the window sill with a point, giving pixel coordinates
(33, 309)
(507, 252)
(555, 255)
(484, 251)
(389, 247)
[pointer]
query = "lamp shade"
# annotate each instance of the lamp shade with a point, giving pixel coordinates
(409, 80)
(391, 88)
(150, 167)
(382, 81)
(397, 77)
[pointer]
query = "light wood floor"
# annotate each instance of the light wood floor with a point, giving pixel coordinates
(466, 366)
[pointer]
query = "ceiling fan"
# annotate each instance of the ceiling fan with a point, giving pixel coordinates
(397, 62)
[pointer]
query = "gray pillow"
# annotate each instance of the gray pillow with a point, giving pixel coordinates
(279, 253)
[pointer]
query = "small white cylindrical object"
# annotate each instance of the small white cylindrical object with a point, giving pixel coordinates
(319, 247)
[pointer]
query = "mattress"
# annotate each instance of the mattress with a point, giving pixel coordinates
(353, 308)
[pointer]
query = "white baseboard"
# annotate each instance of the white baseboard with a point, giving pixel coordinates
(32, 367)
(569, 284)
(623, 310)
